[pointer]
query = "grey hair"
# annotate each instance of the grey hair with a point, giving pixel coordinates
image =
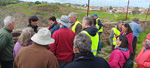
(83, 43)
(8, 20)
(89, 20)
(73, 14)
(25, 37)
(120, 22)
(135, 19)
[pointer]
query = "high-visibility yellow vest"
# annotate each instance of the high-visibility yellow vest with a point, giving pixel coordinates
(95, 40)
(74, 26)
(100, 30)
(116, 32)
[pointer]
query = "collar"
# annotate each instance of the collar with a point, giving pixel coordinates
(86, 56)
(124, 49)
(7, 29)
(63, 27)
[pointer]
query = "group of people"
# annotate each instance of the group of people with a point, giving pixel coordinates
(68, 43)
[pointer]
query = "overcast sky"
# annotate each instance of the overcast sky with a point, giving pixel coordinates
(118, 3)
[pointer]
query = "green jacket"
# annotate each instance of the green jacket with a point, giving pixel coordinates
(6, 44)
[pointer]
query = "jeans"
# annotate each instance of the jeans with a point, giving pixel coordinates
(7, 64)
(99, 44)
(63, 64)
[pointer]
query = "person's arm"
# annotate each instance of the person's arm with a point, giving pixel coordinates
(111, 37)
(115, 60)
(56, 27)
(100, 24)
(53, 63)
(4, 41)
(54, 45)
(139, 29)
(78, 28)
(130, 39)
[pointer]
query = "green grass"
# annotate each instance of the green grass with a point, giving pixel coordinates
(29, 10)
(140, 40)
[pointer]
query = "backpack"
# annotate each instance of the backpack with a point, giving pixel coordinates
(128, 63)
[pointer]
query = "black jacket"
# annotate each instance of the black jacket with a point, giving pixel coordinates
(34, 27)
(87, 60)
(91, 30)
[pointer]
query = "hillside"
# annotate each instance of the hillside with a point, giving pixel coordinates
(23, 11)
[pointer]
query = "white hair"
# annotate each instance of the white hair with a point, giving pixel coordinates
(73, 14)
(8, 20)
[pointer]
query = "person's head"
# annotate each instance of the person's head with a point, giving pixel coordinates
(64, 21)
(52, 19)
(82, 43)
(33, 20)
(43, 37)
(95, 16)
(122, 41)
(72, 17)
(9, 22)
(25, 37)
(94, 21)
(136, 20)
(126, 28)
(120, 24)
(148, 39)
(87, 22)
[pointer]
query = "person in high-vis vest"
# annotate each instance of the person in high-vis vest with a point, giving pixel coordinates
(76, 26)
(114, 33)
(99, 26)
(91, 31)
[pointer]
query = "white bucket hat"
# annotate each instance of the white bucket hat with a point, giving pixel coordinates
(43, 37)
(64, 20)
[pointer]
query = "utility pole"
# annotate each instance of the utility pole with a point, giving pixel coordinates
(88, 7)
(127, 11)
(147, 12)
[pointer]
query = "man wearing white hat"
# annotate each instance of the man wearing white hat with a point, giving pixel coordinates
(63, 47)
(37, 55)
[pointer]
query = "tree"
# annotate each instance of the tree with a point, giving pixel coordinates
(110, 8)
(136, 11)
(37, 2)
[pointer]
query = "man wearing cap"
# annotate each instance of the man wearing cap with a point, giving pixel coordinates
(37, 55)
(136, 28)
(91, 31)
(99, 26)
(142, 58)
(114, 33)
(76, 26)
(63, 47)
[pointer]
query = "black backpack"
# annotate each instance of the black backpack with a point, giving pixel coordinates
(128, 63)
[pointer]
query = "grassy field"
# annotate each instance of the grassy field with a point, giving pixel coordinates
(27, 8)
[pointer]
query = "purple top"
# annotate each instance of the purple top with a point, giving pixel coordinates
(17, 47)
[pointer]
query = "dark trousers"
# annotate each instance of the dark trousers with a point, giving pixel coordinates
(132, 55)
(113, 47)
(99, 44)
(63, 64)
(7, 64)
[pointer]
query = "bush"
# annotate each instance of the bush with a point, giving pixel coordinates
(37, 2)
(122, 17)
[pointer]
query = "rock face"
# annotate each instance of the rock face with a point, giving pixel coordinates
(106, 26)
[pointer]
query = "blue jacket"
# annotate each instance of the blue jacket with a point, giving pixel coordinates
(87, 61)
(136, 28)
(54, 28)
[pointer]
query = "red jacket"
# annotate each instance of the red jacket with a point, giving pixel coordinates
(130, 39)
(143, 58)
(63, 45)
(117, 57)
